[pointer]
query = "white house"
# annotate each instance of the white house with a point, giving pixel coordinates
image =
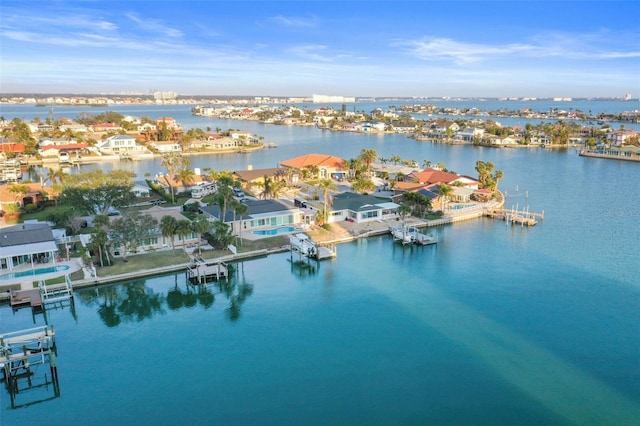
(121, 144)
(360, 208)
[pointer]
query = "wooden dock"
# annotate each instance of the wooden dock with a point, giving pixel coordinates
(20, 351)
(514, 216)
(306, 247)
(21, 298)
(410, 235)
(201, 272)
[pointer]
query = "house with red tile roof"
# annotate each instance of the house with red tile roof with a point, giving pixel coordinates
(170, 122)
(106, 127)
(327, 164)
(35, 194)
(435, 176)
(9, 149)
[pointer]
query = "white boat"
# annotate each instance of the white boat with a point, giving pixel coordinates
(418, 237)
(411, 235)
(402, 234)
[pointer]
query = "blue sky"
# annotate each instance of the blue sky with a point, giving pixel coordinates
(298, 48)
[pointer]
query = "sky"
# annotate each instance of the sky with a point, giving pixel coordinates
(300, 48)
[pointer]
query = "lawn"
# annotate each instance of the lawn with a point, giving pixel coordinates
(168, 257)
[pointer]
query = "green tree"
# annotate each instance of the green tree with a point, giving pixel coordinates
(363, 185)
(445, 192)
(130, 230)
(368, 156)
(169, 229)
(241, 210)
(221, 234)
(326, 185)
(200, 226)
(96, 192)
(100, 238)
(184, 229)
(173, 162)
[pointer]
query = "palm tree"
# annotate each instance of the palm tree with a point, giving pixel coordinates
(445, 191)
(186, 177)
(497, 175)
(395, 159)
(267, 187)
(169, 227)
(313, 170)
(101, 238)
(368, 156)
(241, 210)
(363, 185)
(326, 185)
(426, 164)
(200, 225)
(171, 161)
(223, 197)
(183, 229)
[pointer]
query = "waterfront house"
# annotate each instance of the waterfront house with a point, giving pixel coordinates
(54, 150)
(106, 127)
(167, 182)
(470, 134)
(157, 241)
(327, 165)
(263, 214)
(121, 144)
(147, 127)
(243, 136)
(166, 146)
(254, 179)
(434, 176)
(74, 127)
(10, 149)
(360, 208)
(26, 244)
(35, 193)
(619, 137)
(169, 122)
(141, 189)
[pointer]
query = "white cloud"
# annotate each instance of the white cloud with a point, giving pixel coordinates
(154, 25)
(568, 46)
(293, 22)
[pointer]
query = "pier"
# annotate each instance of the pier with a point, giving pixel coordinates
(410, 235)
(200, 271)
(514, 216)
(306, 247)
(20, 352)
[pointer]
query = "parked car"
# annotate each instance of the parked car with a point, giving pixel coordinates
(238, 192)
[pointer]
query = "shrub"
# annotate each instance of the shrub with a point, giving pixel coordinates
(30, 208)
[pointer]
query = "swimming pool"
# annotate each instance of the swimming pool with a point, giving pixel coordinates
(40, 271)
(274, 231)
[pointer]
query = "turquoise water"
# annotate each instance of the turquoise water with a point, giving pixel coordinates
(39, 271)
(493, 325)
(274, 231)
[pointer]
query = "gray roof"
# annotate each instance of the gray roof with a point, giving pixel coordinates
(256, 207)
(27, 233)
(355, 202)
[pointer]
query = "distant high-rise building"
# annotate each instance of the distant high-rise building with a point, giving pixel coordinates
(627, 97)
(164, 96)
(332, 99)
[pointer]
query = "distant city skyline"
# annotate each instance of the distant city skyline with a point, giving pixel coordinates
(348, 48)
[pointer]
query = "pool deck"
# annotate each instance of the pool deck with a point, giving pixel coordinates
(26, 282)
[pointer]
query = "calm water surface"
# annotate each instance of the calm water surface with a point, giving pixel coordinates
(494, 325)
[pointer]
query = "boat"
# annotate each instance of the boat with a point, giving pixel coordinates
(271, 145)
(401, 234)
(418, 237)
(410, 235)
